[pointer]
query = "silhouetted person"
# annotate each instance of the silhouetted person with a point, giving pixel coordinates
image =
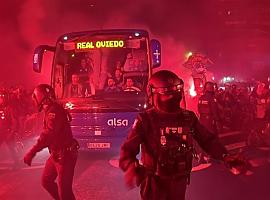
(130, 86)
(57, 137)
(111, 87)
(74, 89)
(8, 126)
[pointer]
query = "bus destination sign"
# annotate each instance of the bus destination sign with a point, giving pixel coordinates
(100, 44)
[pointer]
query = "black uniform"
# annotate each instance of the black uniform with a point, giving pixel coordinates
(209, 114)
(260, 105)
(57, 136)
(228, 103)
(8, 130)
(167, 151)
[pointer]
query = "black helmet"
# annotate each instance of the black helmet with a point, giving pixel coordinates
(165, 90)
(43, 94)
(209, 87)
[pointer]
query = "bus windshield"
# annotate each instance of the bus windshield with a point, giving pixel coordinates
(107, 65)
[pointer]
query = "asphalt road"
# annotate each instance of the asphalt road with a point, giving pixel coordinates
(97, 177)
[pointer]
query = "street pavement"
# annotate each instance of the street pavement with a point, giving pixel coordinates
(98, 177)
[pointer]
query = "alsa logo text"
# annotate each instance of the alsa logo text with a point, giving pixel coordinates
(117, 122)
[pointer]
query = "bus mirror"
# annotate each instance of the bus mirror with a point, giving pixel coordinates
(38, 56)
(155, 53)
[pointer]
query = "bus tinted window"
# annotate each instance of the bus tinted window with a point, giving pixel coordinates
(100, 64)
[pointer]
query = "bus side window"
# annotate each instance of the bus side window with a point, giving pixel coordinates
(135, 61)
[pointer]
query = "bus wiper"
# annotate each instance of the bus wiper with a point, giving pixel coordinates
(133, 107)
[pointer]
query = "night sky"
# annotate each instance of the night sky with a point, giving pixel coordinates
(181, 26)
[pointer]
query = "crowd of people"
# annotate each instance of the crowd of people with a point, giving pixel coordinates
(82, 81)
(236, 108)
(164, 133)
(233, 108)
(19, 99)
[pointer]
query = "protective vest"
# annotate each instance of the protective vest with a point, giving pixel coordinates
(168, 148)
(203, 106)
(57, 128)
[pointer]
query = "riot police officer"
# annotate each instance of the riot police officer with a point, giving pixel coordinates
(57, 137)
(208, 109)
(8, 126)
(260, 101)
(165, 133)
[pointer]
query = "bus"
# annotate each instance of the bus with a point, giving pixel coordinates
(101, 77)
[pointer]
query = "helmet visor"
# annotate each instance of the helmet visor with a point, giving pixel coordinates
(168, 90)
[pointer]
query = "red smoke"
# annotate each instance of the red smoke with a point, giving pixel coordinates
(41, 22)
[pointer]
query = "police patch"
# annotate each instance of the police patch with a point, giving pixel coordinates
(179, 130)
(51, 115)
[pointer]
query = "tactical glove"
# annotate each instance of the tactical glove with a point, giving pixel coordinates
(28, 158)
(237, 163)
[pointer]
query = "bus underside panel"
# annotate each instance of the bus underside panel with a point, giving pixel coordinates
(101, 130)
